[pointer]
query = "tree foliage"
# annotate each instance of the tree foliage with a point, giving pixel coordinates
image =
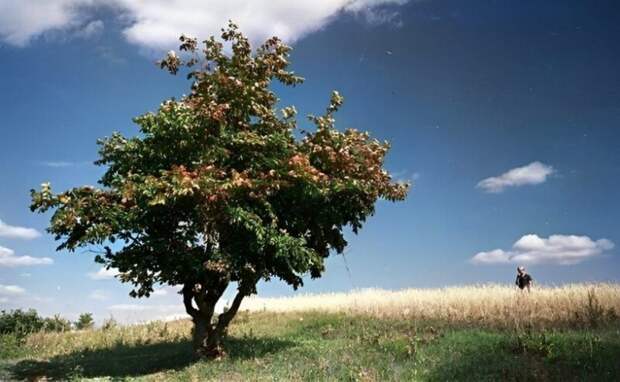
(221, 187)
(56, 323)
(85, 321)
(22, 323)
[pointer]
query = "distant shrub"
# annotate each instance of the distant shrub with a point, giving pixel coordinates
(85, 321)
(56, 324)
(23, 322)
(20, 322)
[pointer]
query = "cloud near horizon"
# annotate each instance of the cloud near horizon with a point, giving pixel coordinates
(157, 24)
(11, 290)
(159, 292)
(557, 249)
(134, 313)
(99, 295)
(103, 274)
(15, 232)
(144, 312)
(532, 174)
(10, 260)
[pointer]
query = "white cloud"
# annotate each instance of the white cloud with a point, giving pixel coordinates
(10, 260)
(557, 249)
(533, 173)
(14, 232)
(11, 290)
(157, 24)
(103, 274)
(496, 256)
(159, 292)
(21, 21)
(99, 295)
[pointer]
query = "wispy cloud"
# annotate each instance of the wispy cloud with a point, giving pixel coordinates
(90, 30)
(110, 55)
(17, 297)
(103, 274)
(533, 173)
(10, 260)
(379, 15)
(15, 232)
(62, 164)
(99, 295)
(406, 176)
(156, 24)
(144, 307)
(11, 290)
(556, 249)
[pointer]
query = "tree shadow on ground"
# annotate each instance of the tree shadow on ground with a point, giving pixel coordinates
(135, 360)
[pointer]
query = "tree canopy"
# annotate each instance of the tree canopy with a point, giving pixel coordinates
(220, 186)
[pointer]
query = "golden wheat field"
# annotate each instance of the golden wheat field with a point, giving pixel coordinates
(487, 305)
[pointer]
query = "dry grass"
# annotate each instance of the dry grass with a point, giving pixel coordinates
(46, 344)
(577, 305)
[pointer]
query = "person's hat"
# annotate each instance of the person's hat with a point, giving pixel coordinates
(520, 268)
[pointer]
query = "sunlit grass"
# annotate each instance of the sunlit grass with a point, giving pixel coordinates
(487, 305)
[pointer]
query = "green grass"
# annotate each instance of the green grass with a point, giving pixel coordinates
(320, 346)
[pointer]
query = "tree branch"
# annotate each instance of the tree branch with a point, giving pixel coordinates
(225, 318)
(188, 294)
(244, 289)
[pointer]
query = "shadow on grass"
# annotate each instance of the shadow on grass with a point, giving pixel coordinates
(489, 358)
(135, 360)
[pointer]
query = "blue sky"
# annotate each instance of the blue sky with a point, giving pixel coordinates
(505, 114)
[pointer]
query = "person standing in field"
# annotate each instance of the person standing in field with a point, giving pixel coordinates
(524, 280)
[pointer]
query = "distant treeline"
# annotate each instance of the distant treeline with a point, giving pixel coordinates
(23, 322)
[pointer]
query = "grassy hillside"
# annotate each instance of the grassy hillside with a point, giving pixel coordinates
(319, 344)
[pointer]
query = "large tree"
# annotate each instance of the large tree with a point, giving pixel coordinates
(220, 187)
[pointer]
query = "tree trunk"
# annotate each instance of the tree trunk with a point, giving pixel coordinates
(207, 343)
(207, 336)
